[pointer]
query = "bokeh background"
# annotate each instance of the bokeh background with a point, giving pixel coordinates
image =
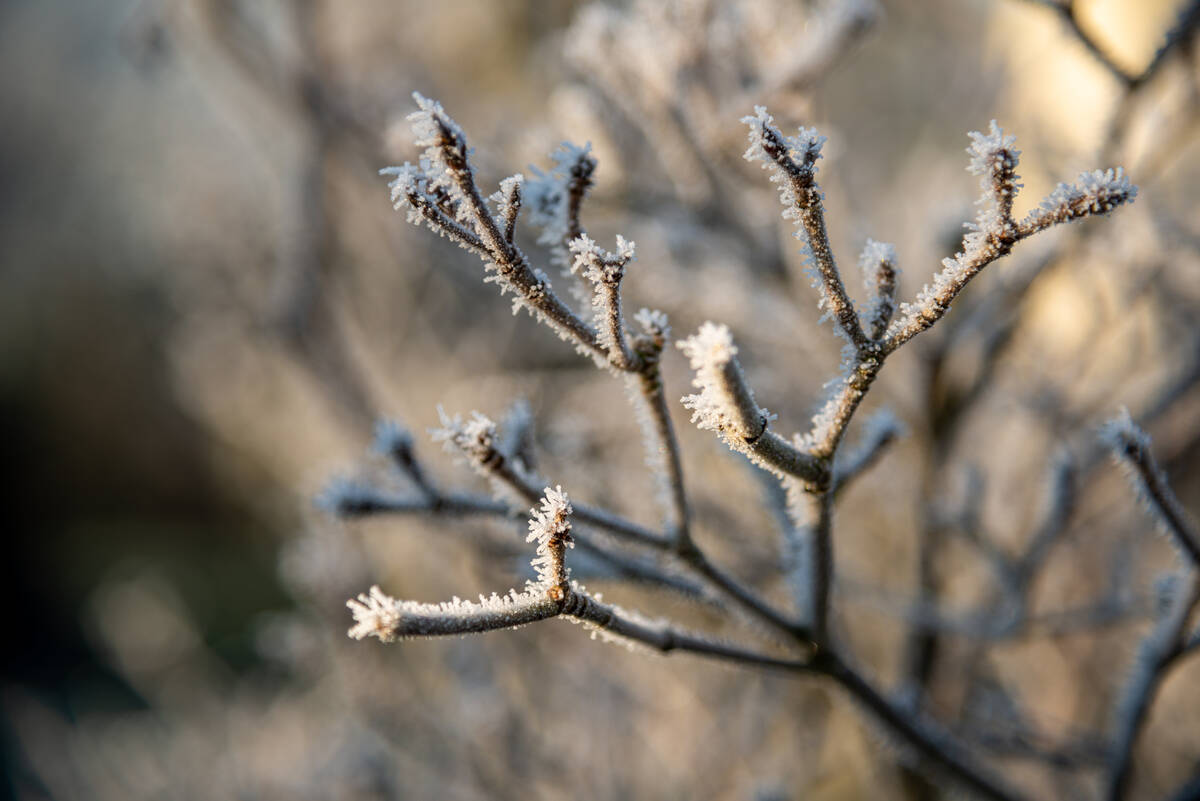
(206, 301)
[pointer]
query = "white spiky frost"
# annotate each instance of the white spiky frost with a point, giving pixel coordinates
(804, 148)
(991, 153)
(507, 199)
(1095, 192)
(550, 527)
(548, 194)
(717, 407)
(597, 264)
(475, 438)
(654, 322)
(377, 614)
(873, 257)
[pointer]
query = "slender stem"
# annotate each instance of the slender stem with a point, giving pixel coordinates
(502, 470)
(663, 431)
(821, 565)
(1160, 651)
(666, 638)
(1134, 448)
(750, 602)
(926, 740)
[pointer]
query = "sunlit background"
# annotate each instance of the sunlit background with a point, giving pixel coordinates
(206, 302)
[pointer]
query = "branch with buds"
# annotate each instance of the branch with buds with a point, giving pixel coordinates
(442, 192)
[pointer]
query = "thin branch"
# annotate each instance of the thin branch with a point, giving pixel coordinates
(662, 445)
(446, 167)
(1131, 446)
(881, 431)
(878, 266)
(927, 741)
(605, 271)
(794, 160)
(994, 233)
(1158, 652)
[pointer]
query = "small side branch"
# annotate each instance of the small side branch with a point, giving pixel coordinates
(878, 266)
(553, 595)
(726, 405)
(442, 191)
(605, 271)
(793, 161)
(881, 430)
(1169, 639)
(994, 231)
(1160, 650)
(1131, 446)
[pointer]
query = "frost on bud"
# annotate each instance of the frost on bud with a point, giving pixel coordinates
(604, 271)
(598, 265)
(992, 154)
(508, 203)
(436, 131)
(475, 439)
(655, 324)
(550, 527)
(994, 160)
(376, 614)
(792, 154)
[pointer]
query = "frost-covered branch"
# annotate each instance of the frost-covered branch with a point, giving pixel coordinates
(553, 594)
(1169, 639)
(475, 440)
(878, 266)
(726, 405)
(1131, 447)
(442, 192)
(605, 271)
(994, 232)
(1161, 649)
(792, 161)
